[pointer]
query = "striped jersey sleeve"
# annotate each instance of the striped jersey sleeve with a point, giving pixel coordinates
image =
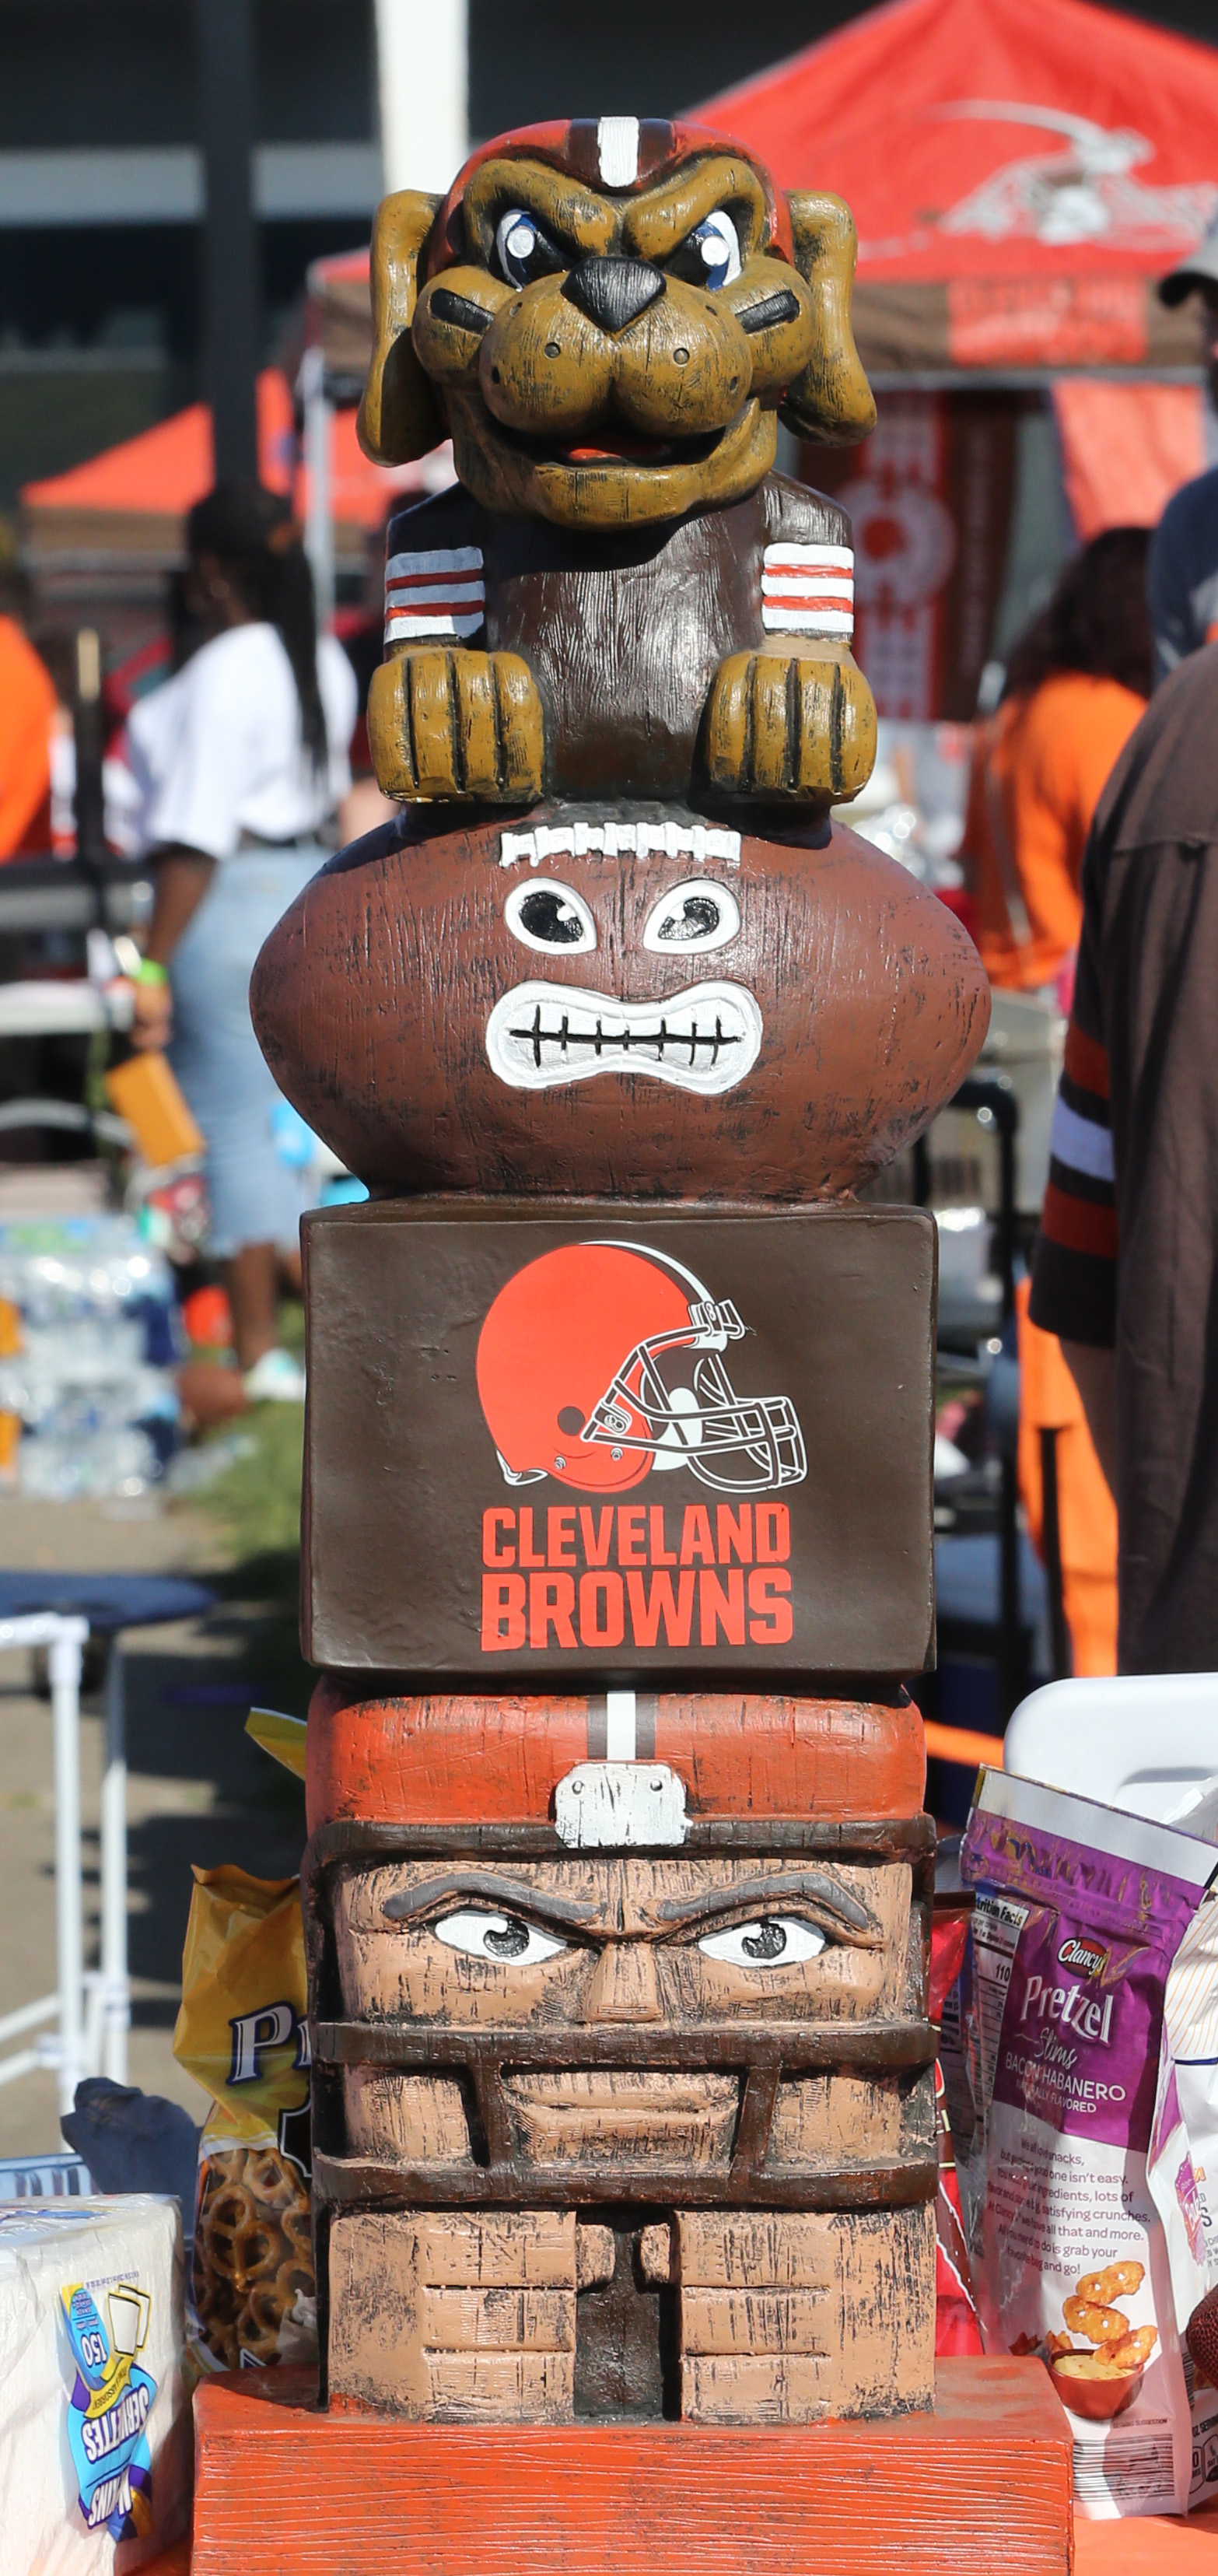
(1074, 1272)
(808, 590)
(438, 595)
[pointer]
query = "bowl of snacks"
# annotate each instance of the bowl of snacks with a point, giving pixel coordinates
(1094, 2385)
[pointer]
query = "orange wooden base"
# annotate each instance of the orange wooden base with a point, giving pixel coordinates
(980, 2487)
(1149, 2545)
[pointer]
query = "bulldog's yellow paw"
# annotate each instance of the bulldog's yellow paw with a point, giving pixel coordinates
(444, 722)
(793, 722)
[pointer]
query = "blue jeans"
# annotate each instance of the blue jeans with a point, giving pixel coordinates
(256, 1197)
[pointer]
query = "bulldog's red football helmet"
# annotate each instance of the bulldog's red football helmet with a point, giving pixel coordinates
(600, 1361)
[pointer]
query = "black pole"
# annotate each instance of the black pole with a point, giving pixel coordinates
(230, 241)
(1051, 1539)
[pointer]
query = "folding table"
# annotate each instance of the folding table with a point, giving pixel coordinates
(91, 2009)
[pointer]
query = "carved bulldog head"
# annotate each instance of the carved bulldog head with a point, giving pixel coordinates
(608, 318)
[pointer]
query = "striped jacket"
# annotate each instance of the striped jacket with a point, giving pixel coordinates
(1128, 1252)
(1075, 1276)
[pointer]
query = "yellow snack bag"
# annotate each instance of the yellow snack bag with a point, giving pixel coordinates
(242, 2033)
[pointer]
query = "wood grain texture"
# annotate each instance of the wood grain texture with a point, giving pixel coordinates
(455, 2319)
(982, 2483)
(372, 999)
(795, 722)
(779, 2319)
(446, 1760)
(787, 2319)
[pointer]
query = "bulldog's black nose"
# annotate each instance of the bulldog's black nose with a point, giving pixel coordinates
(613, 292)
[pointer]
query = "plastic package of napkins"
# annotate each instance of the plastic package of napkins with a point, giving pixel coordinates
(94, 2440)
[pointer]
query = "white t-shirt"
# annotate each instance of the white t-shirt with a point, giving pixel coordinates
(217, 751)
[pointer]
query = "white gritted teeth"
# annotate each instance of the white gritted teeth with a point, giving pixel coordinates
(606, 839)
(617, 145)
(705, 1039)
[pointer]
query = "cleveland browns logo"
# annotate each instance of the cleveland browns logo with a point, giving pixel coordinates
(601, 1362)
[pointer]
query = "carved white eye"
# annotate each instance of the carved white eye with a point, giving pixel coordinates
(710, 255)
(523, 250)
(697, 914)
(546, 915)
(503, 1939)
(773, 1941)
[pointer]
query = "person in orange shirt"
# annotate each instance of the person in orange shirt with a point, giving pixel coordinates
(27, 711)
(1077, 681)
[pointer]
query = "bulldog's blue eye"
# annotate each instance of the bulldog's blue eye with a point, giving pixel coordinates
(523, 250)
(710, 255)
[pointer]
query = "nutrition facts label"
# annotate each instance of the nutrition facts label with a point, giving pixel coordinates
(997, 1924)
(1132, 2469)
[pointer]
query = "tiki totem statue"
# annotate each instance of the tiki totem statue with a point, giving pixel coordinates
(617, 1538)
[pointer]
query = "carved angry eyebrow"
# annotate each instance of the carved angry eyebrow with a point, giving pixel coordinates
(847, 1912)
(507, 1895)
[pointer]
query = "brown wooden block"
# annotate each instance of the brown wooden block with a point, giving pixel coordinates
(497, 1487)
(758, 2298)
(751, 2321)
(759, 2247)
(455, 2319)
(981, 2482)
(757, 2388)
(786, 2319)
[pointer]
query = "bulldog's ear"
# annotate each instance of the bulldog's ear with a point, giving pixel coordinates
(398, 417)
(832, 400)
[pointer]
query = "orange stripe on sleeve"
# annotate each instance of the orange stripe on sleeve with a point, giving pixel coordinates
(1079, 1225)
(1086, 1061)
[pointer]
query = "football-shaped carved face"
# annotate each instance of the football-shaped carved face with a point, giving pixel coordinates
(594, 1004)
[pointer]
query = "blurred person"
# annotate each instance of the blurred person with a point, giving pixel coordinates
(1182, 577)
(1065, 1494)
(28, 708)
(1077, 681)
(364, 807)
(1126, 1264)
(239, 763)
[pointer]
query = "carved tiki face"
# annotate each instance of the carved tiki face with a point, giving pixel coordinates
(515, 1008)
(608, 318)
(575, 2042)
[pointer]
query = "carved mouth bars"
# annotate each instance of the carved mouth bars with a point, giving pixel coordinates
(544, 2038)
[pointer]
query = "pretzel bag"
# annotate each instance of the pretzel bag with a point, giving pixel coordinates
(242, 2033)
(1051, 2060)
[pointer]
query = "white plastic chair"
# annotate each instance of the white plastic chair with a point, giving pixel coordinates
(1146, 1742)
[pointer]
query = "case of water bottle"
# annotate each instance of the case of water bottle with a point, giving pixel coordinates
(92, 1379)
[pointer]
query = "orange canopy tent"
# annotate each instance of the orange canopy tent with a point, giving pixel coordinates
(133, 499)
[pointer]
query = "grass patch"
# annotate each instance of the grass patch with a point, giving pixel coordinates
(255, 1509)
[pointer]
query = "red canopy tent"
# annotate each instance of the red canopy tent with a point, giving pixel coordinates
(1021, 173)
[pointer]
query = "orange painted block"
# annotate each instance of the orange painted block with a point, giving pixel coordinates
(1149, 2544)
(981, 2484)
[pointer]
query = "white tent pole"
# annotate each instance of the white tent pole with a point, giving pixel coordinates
(319, 502)
(423, 77)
